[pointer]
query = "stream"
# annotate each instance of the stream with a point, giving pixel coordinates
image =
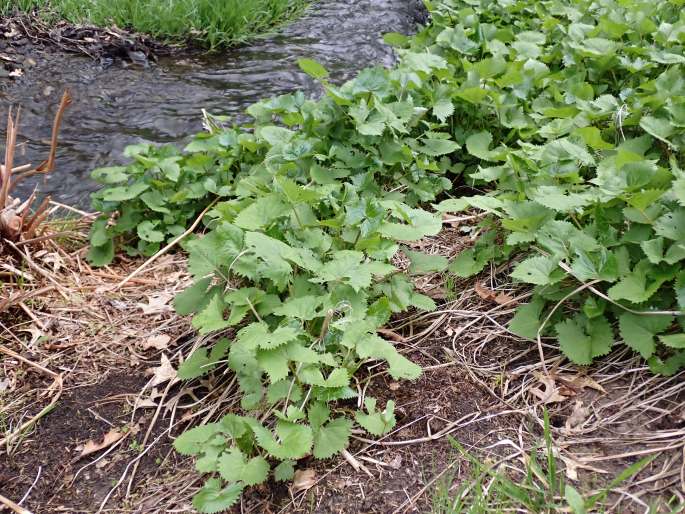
(121, 104)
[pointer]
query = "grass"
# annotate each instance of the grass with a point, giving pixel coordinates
(212, 23)
(539, 488)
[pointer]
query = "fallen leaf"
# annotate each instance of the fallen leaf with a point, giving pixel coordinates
(157, 304)
(572, 466)
(394, 386)
(304, 479)
(35, 332)
(91, 446)
(581, 382)
(577, 417)
(551, 393)
(492, 296)
(163, 373)
(391, 334)
(484, 292)
(158, 342)
(396, 463)
(503, 298)
(145, 403)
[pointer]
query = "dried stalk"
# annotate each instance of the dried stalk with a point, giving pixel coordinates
(13, 214)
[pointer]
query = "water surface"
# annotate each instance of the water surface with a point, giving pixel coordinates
(119, 104)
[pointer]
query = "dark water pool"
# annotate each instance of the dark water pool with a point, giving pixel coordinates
(118, 105)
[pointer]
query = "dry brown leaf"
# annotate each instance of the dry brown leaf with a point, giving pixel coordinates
(396, 463)
(157, 304)
(303, 480)
(145, 403)
(577, 417)
(484, 292)
(163, 373)
(391, 334)
(35, 332)
(572, 466)
(394, 386)
(582, 382)
(503, 298)
(492, 296)
(91, 446)
(551, 393)
(158, 342)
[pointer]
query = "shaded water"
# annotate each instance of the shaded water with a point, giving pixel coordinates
(119, 105)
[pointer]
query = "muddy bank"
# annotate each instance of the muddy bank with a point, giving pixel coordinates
(118, 102)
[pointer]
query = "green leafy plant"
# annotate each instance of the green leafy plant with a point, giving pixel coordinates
(568, 112)
(582, 155)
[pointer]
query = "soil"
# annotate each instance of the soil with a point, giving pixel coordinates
(49, 455)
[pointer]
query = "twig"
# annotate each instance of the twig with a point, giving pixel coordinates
(13, 506)
(35, 481)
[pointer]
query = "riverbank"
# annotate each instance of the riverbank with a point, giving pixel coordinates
(205, 23)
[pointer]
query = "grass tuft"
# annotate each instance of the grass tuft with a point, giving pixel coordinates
(539, 488)
(212, 23)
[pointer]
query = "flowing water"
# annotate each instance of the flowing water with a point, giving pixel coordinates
(121, 104)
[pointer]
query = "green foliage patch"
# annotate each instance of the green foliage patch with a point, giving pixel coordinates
(569, 112)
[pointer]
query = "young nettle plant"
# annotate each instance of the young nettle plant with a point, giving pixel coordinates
(302, 268)
(157, 196)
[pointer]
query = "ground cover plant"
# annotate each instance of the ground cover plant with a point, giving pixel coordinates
(561, 121)
(214, 24)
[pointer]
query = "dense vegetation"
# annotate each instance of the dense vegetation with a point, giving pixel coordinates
(567, 114)
(209, 22)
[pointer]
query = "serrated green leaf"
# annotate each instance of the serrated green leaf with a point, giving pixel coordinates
(467, 264)
(582, 341)
(437, 147)
(478, 145)
(526, 322)
(190, 299)
(443, 109)
(194, 366)
(211, 318)
(332, 438)
(673, 341)
(679, 288)
(658, 127)
(192, 441)
(638, 331)
(234, 467)
(294, 440)
(399, 367)
(424, 263)
(212, 498)
(452, 205)
(101, 255)
(123, 193)
(536, 270)
(376, 423)
(284, 471)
